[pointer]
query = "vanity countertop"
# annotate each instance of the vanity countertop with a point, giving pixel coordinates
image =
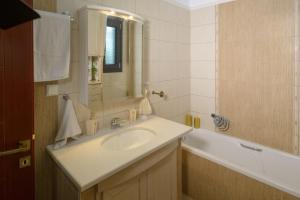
(87, 163)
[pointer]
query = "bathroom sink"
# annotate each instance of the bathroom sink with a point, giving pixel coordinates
(128, 139)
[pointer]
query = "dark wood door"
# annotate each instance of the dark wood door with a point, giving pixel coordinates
(16, 111)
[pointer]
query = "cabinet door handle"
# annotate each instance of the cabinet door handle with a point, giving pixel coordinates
(23, 146)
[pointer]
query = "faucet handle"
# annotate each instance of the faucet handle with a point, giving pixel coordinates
(115, 122)
(116, 119)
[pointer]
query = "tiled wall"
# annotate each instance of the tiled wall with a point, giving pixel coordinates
(203, 62)
(167, 52)
(256, 72)
(166, 55)
(205, 69)
(297, 78)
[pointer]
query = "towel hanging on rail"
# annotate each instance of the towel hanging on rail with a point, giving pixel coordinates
(51, 47)
(69, 126)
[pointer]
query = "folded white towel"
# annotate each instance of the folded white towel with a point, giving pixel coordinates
(51, 47)
(69, 126)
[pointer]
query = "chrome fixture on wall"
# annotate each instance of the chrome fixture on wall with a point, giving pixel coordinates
(220, 122)
(115, 123)
(161, 94)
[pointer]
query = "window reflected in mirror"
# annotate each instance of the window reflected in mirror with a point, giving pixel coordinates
(113, 45)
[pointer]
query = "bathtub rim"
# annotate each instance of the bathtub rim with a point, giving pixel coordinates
(237, 168)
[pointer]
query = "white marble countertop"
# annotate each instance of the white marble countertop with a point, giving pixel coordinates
(86, 163)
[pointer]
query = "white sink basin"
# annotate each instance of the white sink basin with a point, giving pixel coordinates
(128, 139)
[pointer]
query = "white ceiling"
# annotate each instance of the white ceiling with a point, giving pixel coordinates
(194, 4)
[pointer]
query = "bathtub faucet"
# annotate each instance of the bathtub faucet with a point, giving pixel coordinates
(220, 122)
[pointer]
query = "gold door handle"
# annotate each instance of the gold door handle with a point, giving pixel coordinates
(23, 146)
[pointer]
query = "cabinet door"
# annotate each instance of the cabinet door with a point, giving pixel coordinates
(95, 34)
(162, 179)
(129, 190)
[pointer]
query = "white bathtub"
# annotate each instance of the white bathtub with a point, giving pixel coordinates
(275, 168)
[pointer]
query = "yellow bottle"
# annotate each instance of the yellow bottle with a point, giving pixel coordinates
(189, 120)
(197, 122)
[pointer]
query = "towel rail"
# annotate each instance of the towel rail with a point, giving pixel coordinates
(65, 13)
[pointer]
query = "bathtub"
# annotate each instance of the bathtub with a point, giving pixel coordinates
(272, 167)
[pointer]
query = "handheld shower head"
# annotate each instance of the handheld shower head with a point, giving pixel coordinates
(220, 122)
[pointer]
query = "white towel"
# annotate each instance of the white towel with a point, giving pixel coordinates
(69, 126)
(51, 47)
(83, 114)
(145, 106)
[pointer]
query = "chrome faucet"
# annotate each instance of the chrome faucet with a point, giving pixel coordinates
(115, 123)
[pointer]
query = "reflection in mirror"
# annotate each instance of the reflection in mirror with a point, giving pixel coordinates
(113, 45)
(123, 66)
(115, 67)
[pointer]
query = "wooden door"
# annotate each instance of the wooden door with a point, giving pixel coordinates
(16, 111)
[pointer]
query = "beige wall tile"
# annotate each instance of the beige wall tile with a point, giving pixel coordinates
(203, 51)
(183, 69)
(182, 16)
(128, 5)
(183, 52)
(182, 87)
(183, 34)
(203, 33)
(203, 69)
(152, 29)
(166, 11)
(203, 16)
(203, 87)
(148, 8)
(152, 73)
(203, 105)
(152, 50)
(168, 51)
(167, 31)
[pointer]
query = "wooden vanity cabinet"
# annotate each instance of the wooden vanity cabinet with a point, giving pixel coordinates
(155, 177)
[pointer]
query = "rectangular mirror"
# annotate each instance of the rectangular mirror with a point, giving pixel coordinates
(122, 68)
(114, 43)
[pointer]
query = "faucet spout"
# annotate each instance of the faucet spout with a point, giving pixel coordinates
(115, 123)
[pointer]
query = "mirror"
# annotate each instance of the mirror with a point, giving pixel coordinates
(122, 68)
(115, 44)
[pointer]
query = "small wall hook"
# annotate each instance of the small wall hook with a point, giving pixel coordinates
(161, 94)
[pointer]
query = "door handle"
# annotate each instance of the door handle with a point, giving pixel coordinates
(23, 146)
